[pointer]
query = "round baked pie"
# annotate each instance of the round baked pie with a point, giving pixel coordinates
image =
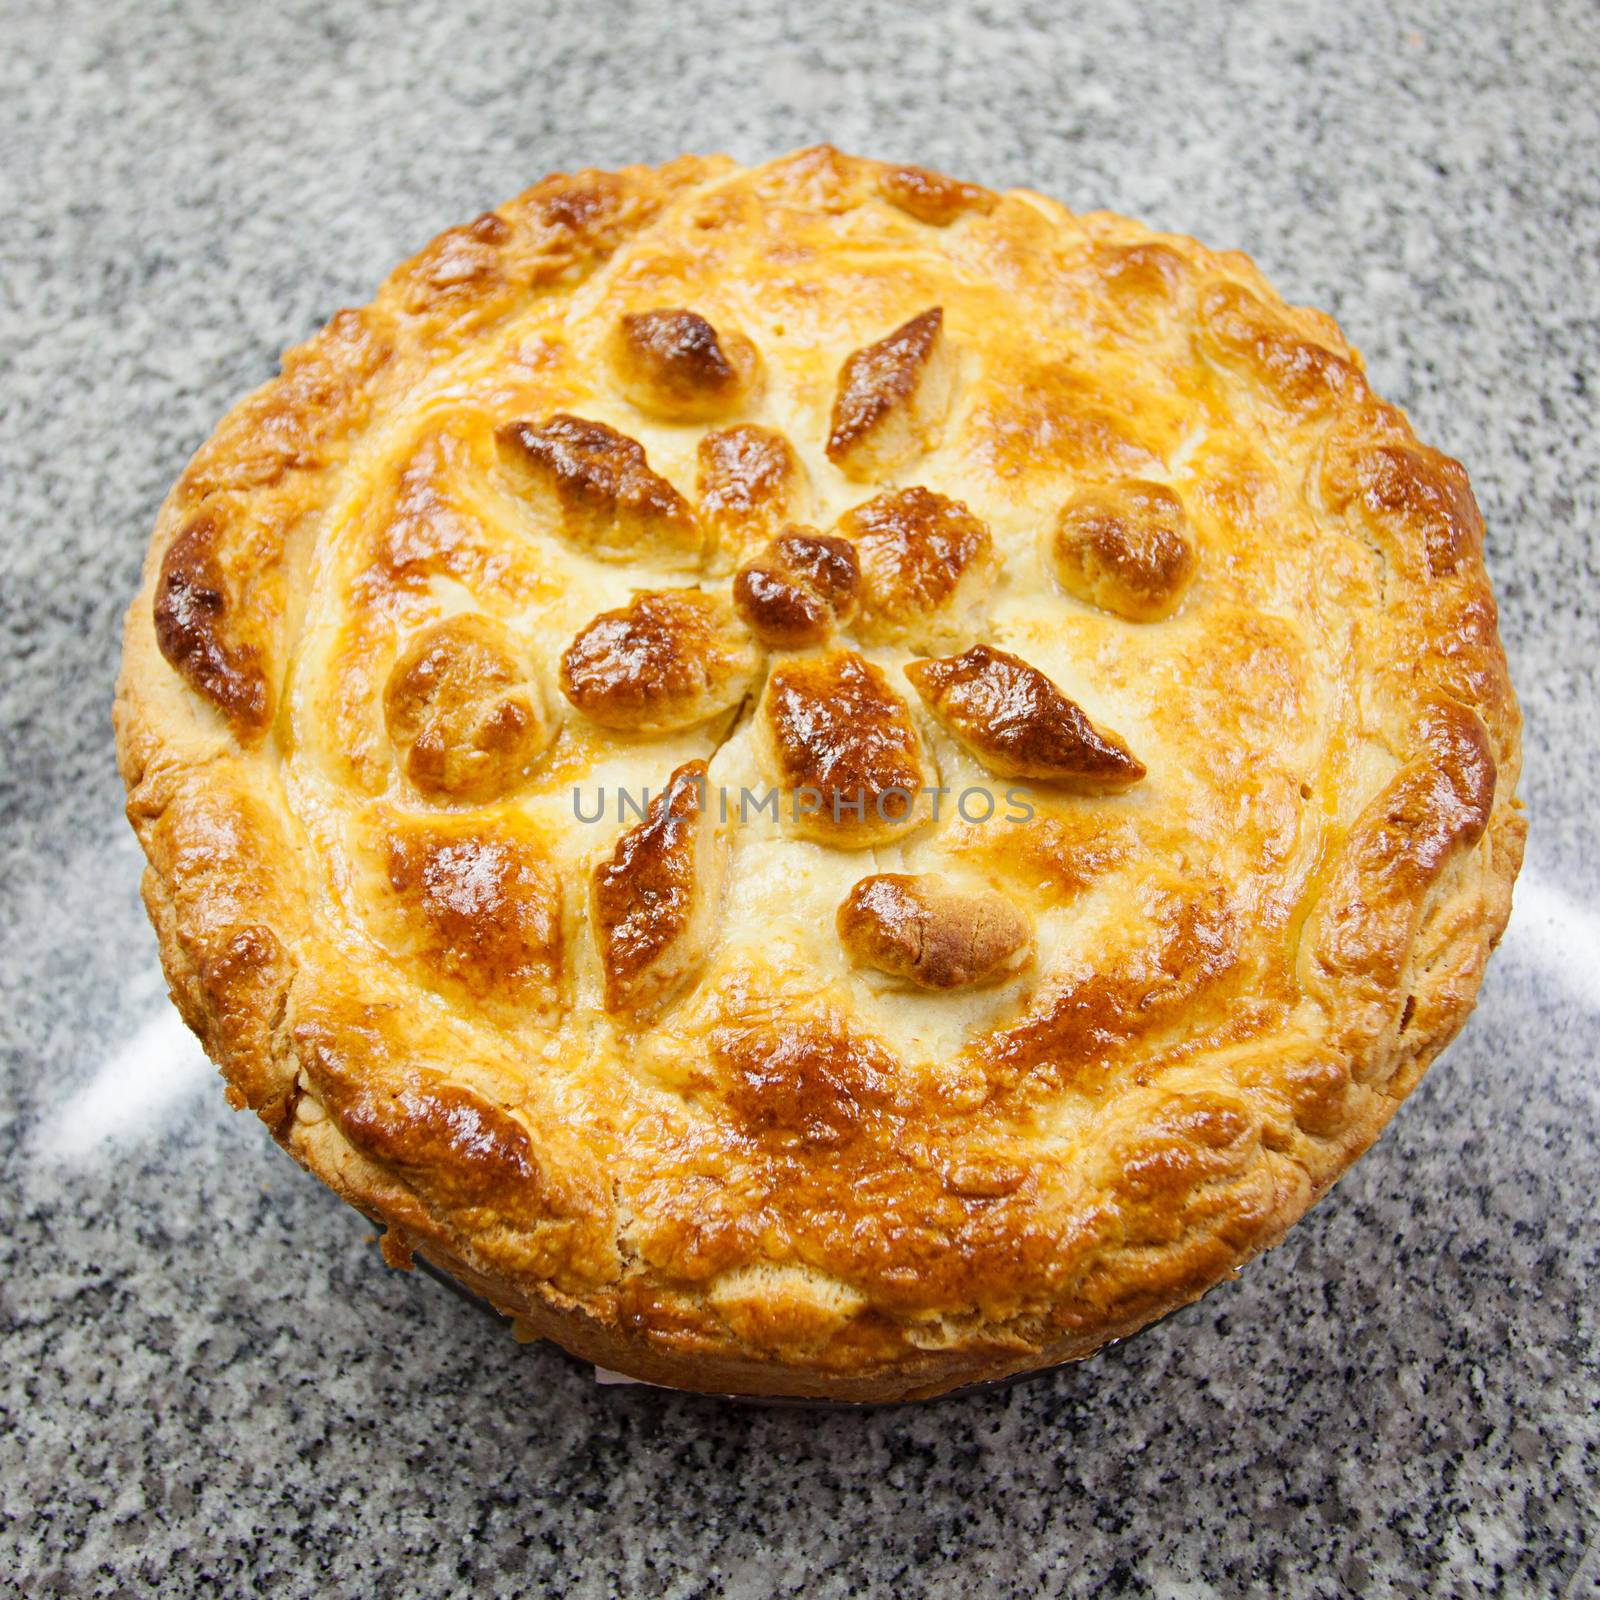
(818, 780)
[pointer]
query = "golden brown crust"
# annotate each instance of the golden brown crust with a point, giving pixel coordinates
(926, 565)
(201, 632)
(477, 907)
(655, 895)
(843, 751)
(931, 197)
(463, 711)
(595, 485)
(750, 483)
(767, 1169)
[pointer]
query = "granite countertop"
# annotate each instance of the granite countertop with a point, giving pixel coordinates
(211, 1384)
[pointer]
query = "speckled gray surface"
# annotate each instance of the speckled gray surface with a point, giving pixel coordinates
(211, 1385)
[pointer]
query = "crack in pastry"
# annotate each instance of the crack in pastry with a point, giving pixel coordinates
(652, 900)
(1125, 547)
(892, 397)
(843, 748)
(916, 927)
(595, 486)
(669, 659)
(465, 712)
(927, 567)
(672, 364)
(749, 482)
(1020, 725)
(799, 590)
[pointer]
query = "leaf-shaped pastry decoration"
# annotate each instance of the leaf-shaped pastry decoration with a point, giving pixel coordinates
(594, 486)
(927, 566)
(1019, 724)
(892, 397)
(674, 365)
(750, 483)
(652, 899)
(669, 659)
(843, 749)
(1125, 547)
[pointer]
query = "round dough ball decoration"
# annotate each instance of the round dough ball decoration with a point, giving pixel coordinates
(819, 780)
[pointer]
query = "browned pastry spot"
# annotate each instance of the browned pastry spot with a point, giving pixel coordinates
(479, 906)
(930, 196)
(926, 564)
(920, 929)
(1140, 275)
(1177, 959)
(200, 630)
(465, 1150)
(462, 266)
(750, 483)
(842, 746)
(456, 1158)
(799, 589)
(1413, 507)
(1125, 547)
(244, 981)
(892, 396)
(1040, 423)
(1297, 373)
(463, 711)
(1415, 501)
(1020, 725)
(596, 486)
(1435, 808)
(228, 899)
(806, 1083)
(670, 659)
(654, 897)
(674, 365)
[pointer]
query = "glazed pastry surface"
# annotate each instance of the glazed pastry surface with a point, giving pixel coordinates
(821, 780)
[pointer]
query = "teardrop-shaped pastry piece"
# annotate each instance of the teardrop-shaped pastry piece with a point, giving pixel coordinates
(1020, 725)
(892, 399)
(843, 751)
(653, 900)
(750, 484)
(595, 487)
(674, 365)
(801, 588)
(927, 567)
(1125, 547)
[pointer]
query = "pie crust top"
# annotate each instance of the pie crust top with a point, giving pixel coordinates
(817, 779)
